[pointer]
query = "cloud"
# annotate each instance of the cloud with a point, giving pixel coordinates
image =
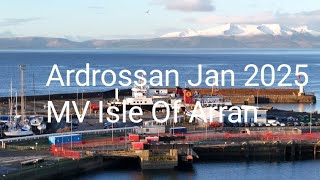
(96, 7)
(217, 19)
(16, 21)
(308, 17)
(311, 18)
(186, 5)
(7, 34)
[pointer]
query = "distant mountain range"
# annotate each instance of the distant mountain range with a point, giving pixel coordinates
(220, 36)
(247, 30)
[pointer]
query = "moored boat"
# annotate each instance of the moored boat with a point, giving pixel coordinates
(36, 120)
(19, 126)
(18, 133)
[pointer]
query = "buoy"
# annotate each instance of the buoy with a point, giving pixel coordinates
(188, 94)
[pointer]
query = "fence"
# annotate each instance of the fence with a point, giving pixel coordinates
(66, 153)
(74, 150)
(259, 136)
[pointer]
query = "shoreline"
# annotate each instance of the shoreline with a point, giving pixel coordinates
(251, 152)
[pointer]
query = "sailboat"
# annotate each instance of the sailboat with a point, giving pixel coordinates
(35, 120)
(18, 132)
(19, 126)
(42, 127)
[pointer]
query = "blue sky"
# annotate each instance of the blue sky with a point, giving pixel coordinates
(113, 19)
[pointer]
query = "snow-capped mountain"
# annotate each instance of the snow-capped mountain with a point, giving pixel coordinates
(245, 30)
(219, 36)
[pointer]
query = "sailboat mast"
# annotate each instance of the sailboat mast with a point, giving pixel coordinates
(22, 68)
(34, 95)
(11, 100)
(16, 103)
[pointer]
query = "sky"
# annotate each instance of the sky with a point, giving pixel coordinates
(121, 19)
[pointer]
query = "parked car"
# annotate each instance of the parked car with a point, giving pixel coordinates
(290, 118)
(282, 124)
(311, 124)
(274, 122)
(296, 123)
(317, 123)
(268, 125)
(252, 124)
(302, 124)
(289, 124)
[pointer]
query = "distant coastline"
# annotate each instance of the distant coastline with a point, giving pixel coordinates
(258, 41)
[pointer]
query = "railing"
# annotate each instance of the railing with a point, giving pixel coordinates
(98, 131)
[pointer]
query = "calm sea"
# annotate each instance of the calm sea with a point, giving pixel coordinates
(220, 171)
(39, 64)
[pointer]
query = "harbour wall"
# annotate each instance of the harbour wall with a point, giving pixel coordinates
(238, 151)
(265, 151)
(236, 95)
(255, 95)
(66, 168)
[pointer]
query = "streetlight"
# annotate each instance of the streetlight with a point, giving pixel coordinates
(36, 146)
(310, 117)
(125, 136)
(173, 127)
(257, 97)
(77, 96)
(82, 101)
(112, 131)
(206, 130)
(71, 129)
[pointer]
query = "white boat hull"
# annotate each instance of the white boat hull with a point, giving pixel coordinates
(42, 127)
(18, 133)
(36, 121)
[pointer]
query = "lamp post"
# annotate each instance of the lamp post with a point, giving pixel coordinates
(173, 127)
(257, 97)
(77, 96)
(82, 101)
(112, 131)
(36, 146)
(71, 129)
(125, 136)
(206, 130)
(310, 123)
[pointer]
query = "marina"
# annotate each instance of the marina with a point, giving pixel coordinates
(90, 141)
(159, 90)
